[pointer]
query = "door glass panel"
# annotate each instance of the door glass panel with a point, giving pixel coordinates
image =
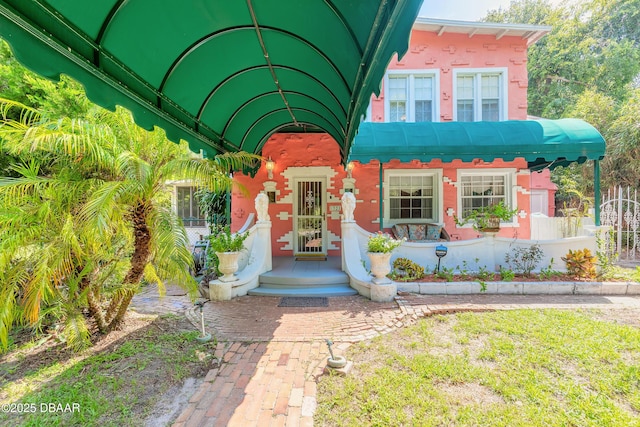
(310, 217)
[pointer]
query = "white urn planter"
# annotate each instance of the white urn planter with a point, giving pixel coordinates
(380, 266)
(228, 265)
(382, 289)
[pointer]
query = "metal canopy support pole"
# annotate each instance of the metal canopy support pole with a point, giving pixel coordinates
(596, 190)
(381, 195)
(227, 205)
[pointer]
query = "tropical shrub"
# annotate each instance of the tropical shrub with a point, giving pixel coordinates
(88, 217)
(225, 241)
(581, 263)
(407, 269)
(524, 260)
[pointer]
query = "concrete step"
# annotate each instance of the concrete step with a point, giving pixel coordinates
(310, 291)
(326, 278)
(304, 278)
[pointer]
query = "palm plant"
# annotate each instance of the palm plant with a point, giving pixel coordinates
(89, 216)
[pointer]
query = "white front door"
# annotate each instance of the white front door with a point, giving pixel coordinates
(309, 225)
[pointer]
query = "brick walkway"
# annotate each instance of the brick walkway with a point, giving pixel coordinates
(272, 356)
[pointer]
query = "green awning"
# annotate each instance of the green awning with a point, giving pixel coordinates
(542, 143)
(223, 75)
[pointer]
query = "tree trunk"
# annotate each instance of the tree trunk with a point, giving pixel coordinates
(113, 307)
(139, 260)
(96, 312)
(122, 310)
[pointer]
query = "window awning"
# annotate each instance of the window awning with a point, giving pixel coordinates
(542, 143)
(223, 75)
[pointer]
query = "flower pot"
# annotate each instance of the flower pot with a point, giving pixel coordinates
(380, 266)
(228, 265)
(492, 225)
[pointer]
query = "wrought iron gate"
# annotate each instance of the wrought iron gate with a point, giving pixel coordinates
(620, 210)
(309, 218)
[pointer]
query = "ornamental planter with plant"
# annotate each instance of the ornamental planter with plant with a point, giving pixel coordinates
(227, 247)
(488, 218)
(379, 249)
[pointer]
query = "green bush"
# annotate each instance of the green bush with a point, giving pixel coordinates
(524, 260)
(407, 269)
(225, 241)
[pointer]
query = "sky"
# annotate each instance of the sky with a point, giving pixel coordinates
(462, 10)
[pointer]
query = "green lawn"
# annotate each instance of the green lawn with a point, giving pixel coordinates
(508, 368)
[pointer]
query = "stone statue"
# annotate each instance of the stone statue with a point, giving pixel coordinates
(262, 207)
(348, 206)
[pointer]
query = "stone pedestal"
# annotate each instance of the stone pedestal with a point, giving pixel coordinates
(219, 291)
(383, 293)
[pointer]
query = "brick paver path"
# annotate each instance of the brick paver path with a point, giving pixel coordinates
(272, 356)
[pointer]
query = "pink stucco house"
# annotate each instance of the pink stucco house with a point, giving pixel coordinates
(453, 72)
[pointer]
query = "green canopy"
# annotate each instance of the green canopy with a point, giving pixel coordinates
(223, 75)
(542, 143)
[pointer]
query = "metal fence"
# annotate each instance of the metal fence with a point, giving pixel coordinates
(620, 210)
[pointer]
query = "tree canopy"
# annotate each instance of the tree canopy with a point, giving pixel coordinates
(587, 67)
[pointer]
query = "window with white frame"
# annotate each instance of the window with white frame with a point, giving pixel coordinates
(412, 195)
(411, 97)
(480, 189)
(480, 96)
(188, 208)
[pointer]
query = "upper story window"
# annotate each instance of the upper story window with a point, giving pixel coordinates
(480, 95)
(188, 208)
(413, 195)
(411, 96)
(481, 188)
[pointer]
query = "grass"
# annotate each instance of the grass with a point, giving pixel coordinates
(509, 368)
(117, 386)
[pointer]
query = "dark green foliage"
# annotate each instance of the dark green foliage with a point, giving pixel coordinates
(225, 241)
(587, 67)
(406, 269)
(214, 206)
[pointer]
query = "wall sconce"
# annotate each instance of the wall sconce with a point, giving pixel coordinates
(350, 167)
(441, 251)
(270, 164)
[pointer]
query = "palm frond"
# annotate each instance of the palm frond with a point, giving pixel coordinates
(80, 141)
(11, 279)
(104, 205)
(75, 331)
(40, 286)
(233, 161)
(28, 115)
(151, 276)
(171, 255)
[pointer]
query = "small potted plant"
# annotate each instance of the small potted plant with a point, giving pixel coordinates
(488, 218)
(379, 248)
(227, 247)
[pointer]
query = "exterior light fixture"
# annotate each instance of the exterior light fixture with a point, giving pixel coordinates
(441, 251)
(350, 166)
(270, 164)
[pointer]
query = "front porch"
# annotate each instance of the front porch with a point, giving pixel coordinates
(262, 274)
